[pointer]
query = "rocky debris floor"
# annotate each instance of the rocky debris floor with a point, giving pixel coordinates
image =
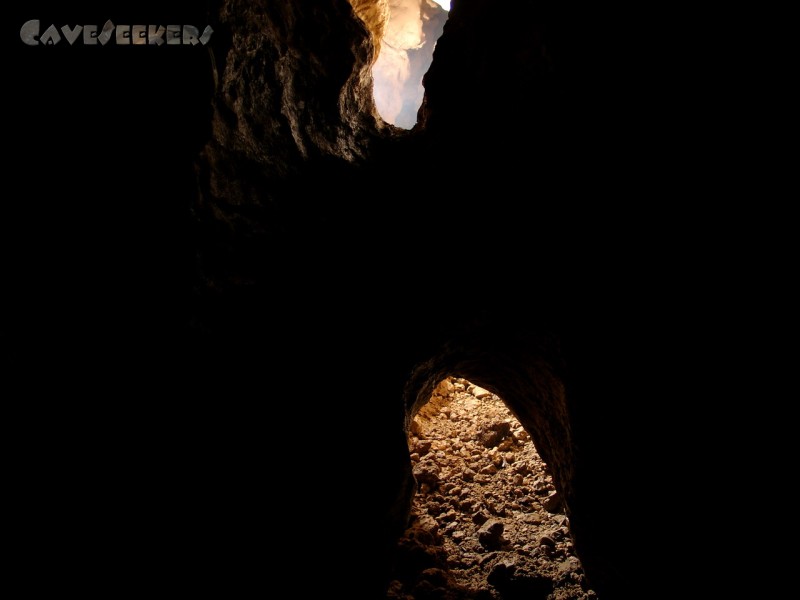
(486, 523)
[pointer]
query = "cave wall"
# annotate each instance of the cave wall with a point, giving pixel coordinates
(325, 229)
(262, 275)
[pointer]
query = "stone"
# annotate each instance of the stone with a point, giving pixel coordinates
(546, 540)
(490, 534)
(493, 434)
(552, 503)
(480, 517)
(422, 446)
(479, 392)
(427, 472)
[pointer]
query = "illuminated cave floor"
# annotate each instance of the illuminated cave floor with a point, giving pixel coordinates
(486, 522)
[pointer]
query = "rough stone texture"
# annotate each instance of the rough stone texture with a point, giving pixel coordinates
(536, 234)
(375, 15)
(293, 103)
(498, 538)
(294, 119)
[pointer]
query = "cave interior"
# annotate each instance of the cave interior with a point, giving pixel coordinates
(232, 285)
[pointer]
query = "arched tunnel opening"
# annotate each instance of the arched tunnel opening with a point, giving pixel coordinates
(486, 521)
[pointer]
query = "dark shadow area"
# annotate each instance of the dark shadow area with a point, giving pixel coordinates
(208, 288)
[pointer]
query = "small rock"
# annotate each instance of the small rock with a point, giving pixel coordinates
(434, 508)
(493, 434)
(490, 534)
(395, 590)
(445, 387)
(533, 519)
(546, 540)
(496, 508)
(479, 392)
(427, 472)
(480, 517)
(506, 444)
(468, 474)
(522, 467)
(569, 565)
(428, 523)
(467, 505)
(521, 435)
(448, 516)
(552, 503)
(422, 447)
(489, 470)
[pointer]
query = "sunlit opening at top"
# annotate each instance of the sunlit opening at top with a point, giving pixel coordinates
(406, 52)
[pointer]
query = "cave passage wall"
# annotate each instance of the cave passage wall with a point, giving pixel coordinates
(347, 244)
(264, 281)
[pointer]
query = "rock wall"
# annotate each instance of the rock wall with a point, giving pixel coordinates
(261, 283)
(322, 228)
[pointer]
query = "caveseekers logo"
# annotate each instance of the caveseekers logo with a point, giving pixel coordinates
(123, 35)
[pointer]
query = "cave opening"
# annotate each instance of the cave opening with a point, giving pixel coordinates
(406, 53)
(486, 521)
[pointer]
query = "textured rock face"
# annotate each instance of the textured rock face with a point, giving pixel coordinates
(375, 15)
(317, 226)
(335, 271)
(293, 100)
(268, 345)
(379, 265)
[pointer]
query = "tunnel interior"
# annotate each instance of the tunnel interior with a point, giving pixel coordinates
(486, 520)
(249, 238)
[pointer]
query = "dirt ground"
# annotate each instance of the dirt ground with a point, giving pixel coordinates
(486, 523)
